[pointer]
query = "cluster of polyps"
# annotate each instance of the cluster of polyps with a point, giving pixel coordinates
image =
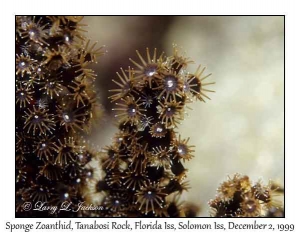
(144, 165)
(238, 197)
(55, 103)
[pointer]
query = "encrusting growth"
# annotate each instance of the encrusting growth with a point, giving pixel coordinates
(55, 104)
(238, 197)
(144, 170)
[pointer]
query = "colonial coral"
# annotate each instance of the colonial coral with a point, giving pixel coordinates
(55, 103)
(144, 165)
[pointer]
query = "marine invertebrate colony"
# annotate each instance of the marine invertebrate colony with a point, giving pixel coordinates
(55, 105)
(238, 197)
(144, 165)
(142, 173)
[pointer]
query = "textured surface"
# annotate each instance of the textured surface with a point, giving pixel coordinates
(241, 128)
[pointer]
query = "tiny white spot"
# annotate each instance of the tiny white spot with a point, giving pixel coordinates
(66, 117)
(170, 83)
(151, 73)
(159, 130)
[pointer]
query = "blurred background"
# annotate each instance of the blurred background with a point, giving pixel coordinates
(241, 130)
